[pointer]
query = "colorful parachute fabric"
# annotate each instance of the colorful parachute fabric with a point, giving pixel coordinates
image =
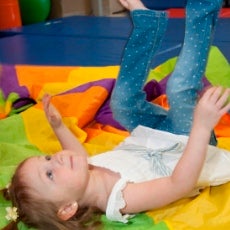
(82, 95)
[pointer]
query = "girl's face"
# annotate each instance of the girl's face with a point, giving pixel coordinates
(62, 177)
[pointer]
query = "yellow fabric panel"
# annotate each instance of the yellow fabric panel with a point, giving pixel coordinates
(40, 133)
(84, 75)
(104, 138)
(209, 211)
(37, 91)
(82, 108)
(224, 142)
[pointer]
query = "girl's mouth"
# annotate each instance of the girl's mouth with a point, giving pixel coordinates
(71, 162)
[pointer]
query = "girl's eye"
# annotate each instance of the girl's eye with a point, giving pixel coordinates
(48, 158)
(49, 174)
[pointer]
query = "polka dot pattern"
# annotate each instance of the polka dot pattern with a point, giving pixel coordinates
(185, 81)
(128, 103)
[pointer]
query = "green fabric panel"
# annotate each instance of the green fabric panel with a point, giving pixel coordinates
(10, 156)
(12, 130)
(140, 222)
(14, 147)
(3, 205)
(3, 220)
(217, 70)
(162, 70)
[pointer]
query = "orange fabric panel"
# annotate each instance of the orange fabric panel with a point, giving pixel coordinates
(83, 106)
(223, 127)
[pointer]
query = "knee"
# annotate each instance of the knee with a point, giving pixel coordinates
(178, 87)
(120, 99)
(117, 107)
(122, 110)
(119, 114)
(174, 86)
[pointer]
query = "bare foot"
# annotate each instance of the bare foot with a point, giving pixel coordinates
(133, 4)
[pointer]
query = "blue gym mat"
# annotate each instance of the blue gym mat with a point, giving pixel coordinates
(90, 41)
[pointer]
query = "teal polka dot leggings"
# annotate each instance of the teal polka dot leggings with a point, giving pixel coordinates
(128, 100)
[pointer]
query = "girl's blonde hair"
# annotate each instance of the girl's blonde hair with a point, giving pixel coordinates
(42, 214)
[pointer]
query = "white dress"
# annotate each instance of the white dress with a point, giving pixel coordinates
(147, 154)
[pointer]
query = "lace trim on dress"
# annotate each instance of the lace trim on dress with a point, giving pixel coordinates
(116, 202)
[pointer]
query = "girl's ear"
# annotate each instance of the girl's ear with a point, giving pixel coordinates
(67, 211)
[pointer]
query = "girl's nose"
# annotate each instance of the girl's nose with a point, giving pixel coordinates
(59, 158)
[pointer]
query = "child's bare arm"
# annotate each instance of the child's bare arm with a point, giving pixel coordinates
(160, 192)
(64, 135)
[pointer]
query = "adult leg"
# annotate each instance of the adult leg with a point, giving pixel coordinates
(185, 82)
(128, 101)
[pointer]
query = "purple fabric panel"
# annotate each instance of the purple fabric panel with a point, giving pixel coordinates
(106, 83)
(105, 116)
(153, 90)
(9, 82)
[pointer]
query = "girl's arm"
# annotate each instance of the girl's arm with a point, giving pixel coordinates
(160, 192)
(64, 135)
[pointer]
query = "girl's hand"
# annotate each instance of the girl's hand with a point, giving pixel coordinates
(211, 107)
(52, 114)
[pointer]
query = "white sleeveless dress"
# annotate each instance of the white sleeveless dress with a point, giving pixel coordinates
(148, 154)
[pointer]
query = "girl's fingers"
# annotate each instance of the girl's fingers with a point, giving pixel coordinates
(46, 101)
(208, 93)
(223, 99)
(225, 106)
(216, 94)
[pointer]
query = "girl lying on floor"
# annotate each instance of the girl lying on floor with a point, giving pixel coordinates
(166, 157)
